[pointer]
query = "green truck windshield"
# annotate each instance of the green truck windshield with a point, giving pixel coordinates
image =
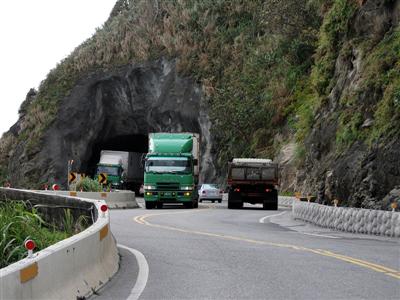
(168, 165)
(113, 171)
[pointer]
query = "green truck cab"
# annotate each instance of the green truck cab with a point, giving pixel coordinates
(113, 172)
(111, 164)
(171, 170)
(124, 169)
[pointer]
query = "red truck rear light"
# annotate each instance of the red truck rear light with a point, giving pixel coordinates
(237, 190)
(268, 190)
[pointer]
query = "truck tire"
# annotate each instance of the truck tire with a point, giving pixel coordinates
(235, 205)
(159, 205)
(188, 204)
(196, 204)
(150, 205)
(271, 201)
(274, 205)
(234, 201)
(231, 205)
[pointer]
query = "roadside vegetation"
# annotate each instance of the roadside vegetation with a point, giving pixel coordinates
(87, 185)
(19, 222)
(268, 65)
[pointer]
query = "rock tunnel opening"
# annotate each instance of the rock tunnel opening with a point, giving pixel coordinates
(136, 145)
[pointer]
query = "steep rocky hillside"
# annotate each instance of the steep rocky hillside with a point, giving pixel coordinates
(314, 84)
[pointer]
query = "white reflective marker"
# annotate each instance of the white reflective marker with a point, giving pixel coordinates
(267, 217)
(143, 273)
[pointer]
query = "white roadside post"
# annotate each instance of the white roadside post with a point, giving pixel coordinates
(69, 169)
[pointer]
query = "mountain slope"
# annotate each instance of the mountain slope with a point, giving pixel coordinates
(313, 83)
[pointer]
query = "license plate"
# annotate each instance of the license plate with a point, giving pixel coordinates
(167, 194)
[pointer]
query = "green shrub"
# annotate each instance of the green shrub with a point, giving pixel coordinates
(332, 33)
(299, 155)
(349, 129)
(88, 185)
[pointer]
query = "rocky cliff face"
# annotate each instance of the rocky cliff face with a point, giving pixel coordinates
(116, 110)
(322, 95)
(364, 173)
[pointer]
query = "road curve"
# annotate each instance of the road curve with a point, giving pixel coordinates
(216, 253)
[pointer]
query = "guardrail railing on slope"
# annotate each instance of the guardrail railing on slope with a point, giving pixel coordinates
(70, 269)
(354, 220)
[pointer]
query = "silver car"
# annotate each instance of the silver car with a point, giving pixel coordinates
(210, 192)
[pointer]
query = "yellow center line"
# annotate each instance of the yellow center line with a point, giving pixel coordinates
(142, 219)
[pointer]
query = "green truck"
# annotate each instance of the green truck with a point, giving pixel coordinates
(172, 169)
(124, 170)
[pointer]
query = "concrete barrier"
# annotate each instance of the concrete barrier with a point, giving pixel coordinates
(355, 220)
(71, 269)
(116, 199)
(286, 201)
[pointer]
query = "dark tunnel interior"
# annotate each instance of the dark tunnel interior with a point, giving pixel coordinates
(128, 143)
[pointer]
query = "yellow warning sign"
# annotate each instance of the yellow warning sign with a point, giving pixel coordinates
(102, 178)
(72, 177)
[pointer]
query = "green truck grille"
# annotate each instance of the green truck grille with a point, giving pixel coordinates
(167, 186)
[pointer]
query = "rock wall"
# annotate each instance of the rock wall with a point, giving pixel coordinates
(363, 174)
(117, 109)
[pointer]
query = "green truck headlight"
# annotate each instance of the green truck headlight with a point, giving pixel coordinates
(187, 188)
(187, 193)
(149, 187)
(149, 193)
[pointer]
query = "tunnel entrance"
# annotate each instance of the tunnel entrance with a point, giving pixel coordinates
(135, 146)
(116, 109)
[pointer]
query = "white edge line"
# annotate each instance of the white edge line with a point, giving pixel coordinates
(143, 273)
(319, 235)
(267, 217)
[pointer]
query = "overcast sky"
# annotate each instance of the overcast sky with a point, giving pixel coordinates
(34, 36)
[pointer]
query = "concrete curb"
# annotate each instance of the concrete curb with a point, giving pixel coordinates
(354, 220)
(117, 199)
(286, 201)
(71, 269)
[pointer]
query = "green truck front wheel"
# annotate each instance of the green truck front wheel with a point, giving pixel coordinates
(150, 205)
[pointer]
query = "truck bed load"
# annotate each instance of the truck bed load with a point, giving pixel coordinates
(253, 169)
(253, 180)
(176, 143)
(109, 157)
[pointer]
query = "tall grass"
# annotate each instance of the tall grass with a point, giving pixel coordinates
(18, 223)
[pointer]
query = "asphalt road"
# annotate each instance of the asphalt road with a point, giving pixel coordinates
(216, 253)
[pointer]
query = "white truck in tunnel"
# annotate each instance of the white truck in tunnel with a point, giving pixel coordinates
(124, 169)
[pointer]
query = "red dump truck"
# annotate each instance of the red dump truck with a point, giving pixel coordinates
(253, 180)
